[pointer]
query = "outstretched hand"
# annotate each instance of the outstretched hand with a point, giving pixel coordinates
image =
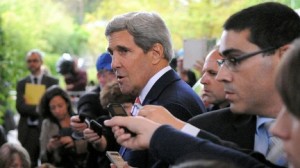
(142, 127)
(160, 115)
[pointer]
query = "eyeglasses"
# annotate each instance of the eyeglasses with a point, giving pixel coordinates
(104, 73)
(232, 62)
(32, 60)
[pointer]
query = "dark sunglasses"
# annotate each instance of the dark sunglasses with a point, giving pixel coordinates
(32, 60)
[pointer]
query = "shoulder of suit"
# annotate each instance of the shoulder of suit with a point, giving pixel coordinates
(24, 79)
(213, 115)
(50, 77)
(230, 116)
(223, 111)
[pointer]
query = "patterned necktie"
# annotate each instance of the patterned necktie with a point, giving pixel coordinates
(137, 100)
(275, 152)
(134, 112)
(135, 107)
(261, 139)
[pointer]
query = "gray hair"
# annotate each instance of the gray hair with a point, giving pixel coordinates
(7, 152)
(35, 51)
(147, 28)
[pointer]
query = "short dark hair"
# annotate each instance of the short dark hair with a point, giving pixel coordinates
(271, 24)
(288, 79)
(51, 92)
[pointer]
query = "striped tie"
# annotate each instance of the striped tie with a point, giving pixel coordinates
(134, 112)
(275, 152)
(137, 100)
(135, 107)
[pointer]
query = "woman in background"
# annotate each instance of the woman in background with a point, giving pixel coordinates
(57, 145)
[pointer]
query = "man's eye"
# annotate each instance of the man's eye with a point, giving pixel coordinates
(212, 73)
(110, 52)
(123, 50)
(232, 61)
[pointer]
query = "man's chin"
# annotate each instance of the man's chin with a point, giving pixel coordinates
(125, 90)
(235, 109)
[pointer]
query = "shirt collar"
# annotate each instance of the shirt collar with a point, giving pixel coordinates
(152, 81)
(39, 78)
(261, 120)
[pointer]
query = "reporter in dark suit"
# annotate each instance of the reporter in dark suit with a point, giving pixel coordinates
(252, 45)
(228, 126)
(286, 126)
(140, 46)
(177, 147)
(29, 123)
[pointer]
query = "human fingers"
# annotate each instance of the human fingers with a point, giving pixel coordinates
(90, 135)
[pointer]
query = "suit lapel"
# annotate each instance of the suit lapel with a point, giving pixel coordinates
(164, 81)
(44, 80)
(28, 80)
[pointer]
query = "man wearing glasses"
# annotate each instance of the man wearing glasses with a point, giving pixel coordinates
(252, 44)
(29, 123)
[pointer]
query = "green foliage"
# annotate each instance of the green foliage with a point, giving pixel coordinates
(185, 19)
(77, 27)
(78, 41)
(2, 74)
(28, 24)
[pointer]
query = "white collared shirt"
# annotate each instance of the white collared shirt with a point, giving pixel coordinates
(39, 78)
(146, 89)
(152, 81)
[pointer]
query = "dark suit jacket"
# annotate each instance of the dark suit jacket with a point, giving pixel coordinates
(28, 110)
(175, 95)
(236, 128)
(236, 131)
(178, 147)
(3, 138)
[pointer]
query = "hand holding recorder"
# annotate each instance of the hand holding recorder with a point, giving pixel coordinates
(116, 109)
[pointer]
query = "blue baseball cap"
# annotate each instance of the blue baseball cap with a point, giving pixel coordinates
(104, 62)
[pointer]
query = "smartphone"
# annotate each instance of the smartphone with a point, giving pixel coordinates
(56, 136)
(116, 158)
(116, 109)
(95, 126)
(82, 118)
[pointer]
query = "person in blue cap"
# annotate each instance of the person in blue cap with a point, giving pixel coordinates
(105, 73)
(89, 107)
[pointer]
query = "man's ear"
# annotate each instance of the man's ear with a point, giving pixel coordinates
(157, 53)
(283, 49)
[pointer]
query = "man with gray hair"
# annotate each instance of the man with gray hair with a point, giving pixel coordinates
(140, 46)
(29, 123)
